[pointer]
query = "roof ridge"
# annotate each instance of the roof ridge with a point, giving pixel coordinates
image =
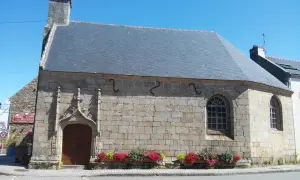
(145, 27)
(230, 48)
(286, 59)
(223, 41)
(47, 46)
(24, 87)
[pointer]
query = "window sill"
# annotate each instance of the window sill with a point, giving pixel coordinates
(218, 135)
(276, 131)
(215, 132)
(217, 138)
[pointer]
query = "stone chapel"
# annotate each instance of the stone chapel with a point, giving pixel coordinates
(104, 87)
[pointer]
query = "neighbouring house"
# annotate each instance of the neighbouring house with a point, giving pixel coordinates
(21, 117)
(288, 72)
(114, 88)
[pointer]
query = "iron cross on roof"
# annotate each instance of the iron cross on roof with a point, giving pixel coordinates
(264, 40)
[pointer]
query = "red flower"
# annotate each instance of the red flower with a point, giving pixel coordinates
(102, 156)
(121, 157)
(190, 160)
(153, 156)
(191, 157)
(236, 158)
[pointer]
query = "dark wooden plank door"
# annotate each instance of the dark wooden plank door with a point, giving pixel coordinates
(76, 144)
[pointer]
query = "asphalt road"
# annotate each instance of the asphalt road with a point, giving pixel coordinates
(273, 176)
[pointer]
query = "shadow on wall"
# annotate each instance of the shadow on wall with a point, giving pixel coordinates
(20, 137)
(51, 113)
(18, 142)
(26, 140)
(22, 148)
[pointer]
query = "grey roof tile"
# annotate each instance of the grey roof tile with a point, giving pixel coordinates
(291, 66)
(141, 51)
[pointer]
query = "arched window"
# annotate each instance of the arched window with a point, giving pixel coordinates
(217, 114)
(275, 114)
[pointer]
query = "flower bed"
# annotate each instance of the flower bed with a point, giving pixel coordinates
(208, 160)
(138, 159)
(227, 160)
(134, 159)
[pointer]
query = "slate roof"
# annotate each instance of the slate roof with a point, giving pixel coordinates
(142, 51)
(291, 66)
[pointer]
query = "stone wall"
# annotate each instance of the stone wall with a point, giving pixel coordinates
(21, 131)
(172, 121)
(270, 144)
(23, 102)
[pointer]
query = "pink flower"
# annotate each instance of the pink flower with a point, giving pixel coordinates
(122, 157)
(153, 156)
(210, 163)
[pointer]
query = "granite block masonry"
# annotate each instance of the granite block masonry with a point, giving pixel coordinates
(20, 103)
(123, 114)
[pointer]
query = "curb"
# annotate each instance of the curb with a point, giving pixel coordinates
(194, 174)
(143, 173)
(5, 174)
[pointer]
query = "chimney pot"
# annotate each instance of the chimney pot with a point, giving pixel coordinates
(59, 12)
(258, 50)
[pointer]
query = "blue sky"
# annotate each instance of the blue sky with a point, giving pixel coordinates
(240, 22)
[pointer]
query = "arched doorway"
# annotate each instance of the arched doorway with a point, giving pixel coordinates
(76, 144)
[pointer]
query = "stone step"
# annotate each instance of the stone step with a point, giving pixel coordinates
(73, 166)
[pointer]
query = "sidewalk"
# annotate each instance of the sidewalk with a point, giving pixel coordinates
(21, 171)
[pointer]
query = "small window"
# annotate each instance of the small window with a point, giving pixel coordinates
(275, 114)
(217, 114)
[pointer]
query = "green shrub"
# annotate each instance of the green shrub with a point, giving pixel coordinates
(12, 140)
(136, 155)
(226, 157)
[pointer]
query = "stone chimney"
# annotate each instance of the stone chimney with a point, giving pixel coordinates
(257, 51)
(58, 13)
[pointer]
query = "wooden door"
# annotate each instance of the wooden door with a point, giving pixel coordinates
(76, 144)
